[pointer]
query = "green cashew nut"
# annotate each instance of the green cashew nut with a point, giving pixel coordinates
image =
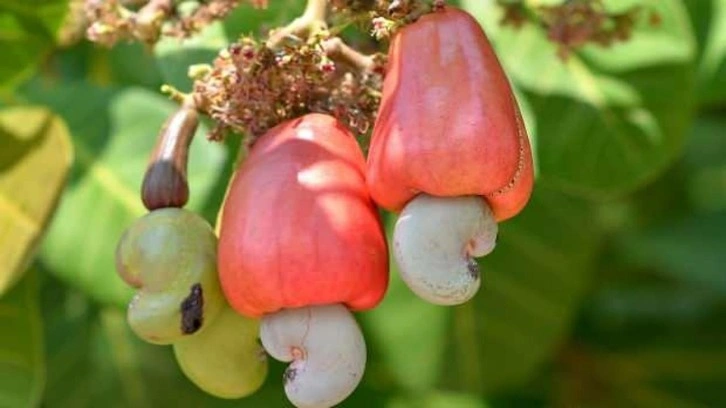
(224, 360)
(170, 255)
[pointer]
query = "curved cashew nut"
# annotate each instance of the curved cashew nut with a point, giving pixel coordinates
(435, 241)
(326, 348)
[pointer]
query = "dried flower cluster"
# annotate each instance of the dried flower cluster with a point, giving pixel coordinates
(115, 20)
(303, 67)
(251, 88)
(575, 23)
(382, 18)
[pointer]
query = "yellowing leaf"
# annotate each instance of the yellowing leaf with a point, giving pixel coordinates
(22, 358)
(35, 155)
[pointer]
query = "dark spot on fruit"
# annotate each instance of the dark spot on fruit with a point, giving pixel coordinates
(192, 309)
(473, 268)
(289, 375)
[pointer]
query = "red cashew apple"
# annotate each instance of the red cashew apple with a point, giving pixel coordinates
(300, 243)
(449, 149)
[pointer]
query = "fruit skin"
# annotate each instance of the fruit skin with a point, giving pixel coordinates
(170, 256)
(298, 226)
(224, 360)
(448, 124)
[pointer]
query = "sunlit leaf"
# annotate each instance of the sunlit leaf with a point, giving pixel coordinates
(608, 119)
(35, 156)
(22, 361)
(532, 285)
(27, 30)
(709, 20)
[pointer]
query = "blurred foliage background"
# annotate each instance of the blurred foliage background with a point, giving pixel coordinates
(608, 290)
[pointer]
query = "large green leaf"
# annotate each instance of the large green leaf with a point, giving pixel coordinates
(690, 250)
(709, 20)
(705, 160)
(409, 335)
(688, 247)
(648, 344)
(608, 119)
(95, 360)
(27, 30)
(533, 283)
(22, 362)
(35, 156)
(113, 135)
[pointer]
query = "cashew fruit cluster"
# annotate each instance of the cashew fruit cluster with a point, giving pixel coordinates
(170, 257)
(301, 244)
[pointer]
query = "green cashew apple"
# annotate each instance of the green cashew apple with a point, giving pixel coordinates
(224, 360)
(170, 255)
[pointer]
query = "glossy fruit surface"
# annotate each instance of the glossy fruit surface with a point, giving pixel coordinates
(448, 124)
(298, 227)
(224, 360)
(170, 256)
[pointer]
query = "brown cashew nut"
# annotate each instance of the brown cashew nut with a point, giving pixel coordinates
(165, 182)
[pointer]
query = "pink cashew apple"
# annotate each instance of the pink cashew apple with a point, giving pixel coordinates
(301, 243)
(448, 127)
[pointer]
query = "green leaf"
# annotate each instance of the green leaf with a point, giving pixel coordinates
(246, 20)
(174, 56)
(689, 250)
(113, 135)
(688, 247)
(438, 399)
(648, 344)
(35, 158)
(27, 31)
(133, 65)
(95, 360)
(709, 20)
(608, 119)
(705, 158)
(22, 362)
(532, 285)
(394, 324)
